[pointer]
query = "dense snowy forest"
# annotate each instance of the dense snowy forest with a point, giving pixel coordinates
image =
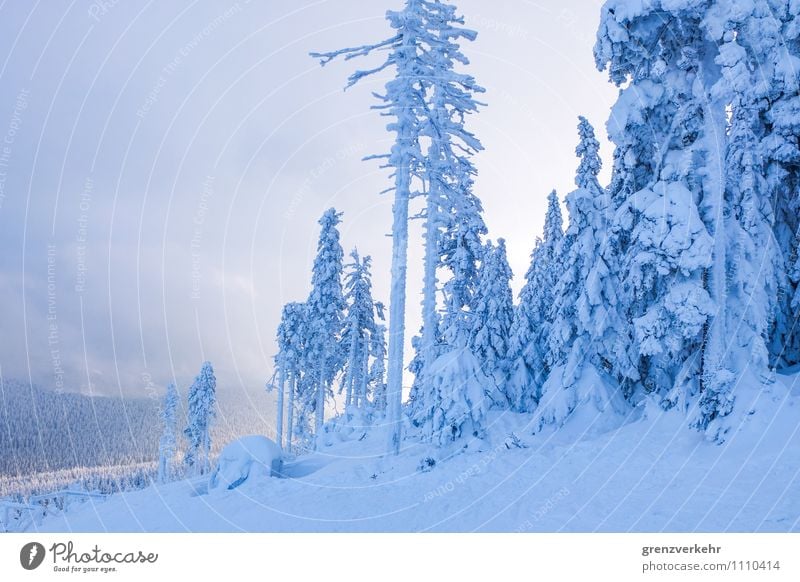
(677, 280)
(51, 440)
(46, 431)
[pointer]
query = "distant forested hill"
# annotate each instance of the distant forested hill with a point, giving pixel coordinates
(41, 430)
(44, 432)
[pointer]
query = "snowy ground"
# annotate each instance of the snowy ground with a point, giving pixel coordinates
(650, 474)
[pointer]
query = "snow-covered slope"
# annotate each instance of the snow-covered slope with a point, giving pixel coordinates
(651, 474)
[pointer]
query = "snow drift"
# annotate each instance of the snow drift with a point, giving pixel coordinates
(247, 457)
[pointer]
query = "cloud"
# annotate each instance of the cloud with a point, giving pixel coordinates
(173, 160)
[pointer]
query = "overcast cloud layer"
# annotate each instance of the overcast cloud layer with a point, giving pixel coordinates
(163, 166)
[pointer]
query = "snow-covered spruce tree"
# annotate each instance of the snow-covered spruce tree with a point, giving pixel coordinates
(202, 412)
(789, 339)
(670, 250)
(296, 360)
(302, 433)
(403, 100)
(461, 402)
(325, 312)
(453, 224)
(530, 327)
(282, 372)
(290, 361)
(167, 445)
(439, 408)
(377, 369)
(462, 252)
(492, 317)
(755, 263)
(449, 172)
(416, 398)
(360, 331)
(586, 335)
(767, 38)
(636, 126)
(753, 277)
(521, 350)
(679, 59)
(451, 394)
(428, 99)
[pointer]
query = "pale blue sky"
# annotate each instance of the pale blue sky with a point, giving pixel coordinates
(163, 165)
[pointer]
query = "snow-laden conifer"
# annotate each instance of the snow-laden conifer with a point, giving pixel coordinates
(527, 352)
(167, 445)
(324, 314)
(202, 412)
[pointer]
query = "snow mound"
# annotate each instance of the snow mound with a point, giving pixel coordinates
(462, 402)
(354, 425)
(757, 402)
(249, 456)
(593, 404)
